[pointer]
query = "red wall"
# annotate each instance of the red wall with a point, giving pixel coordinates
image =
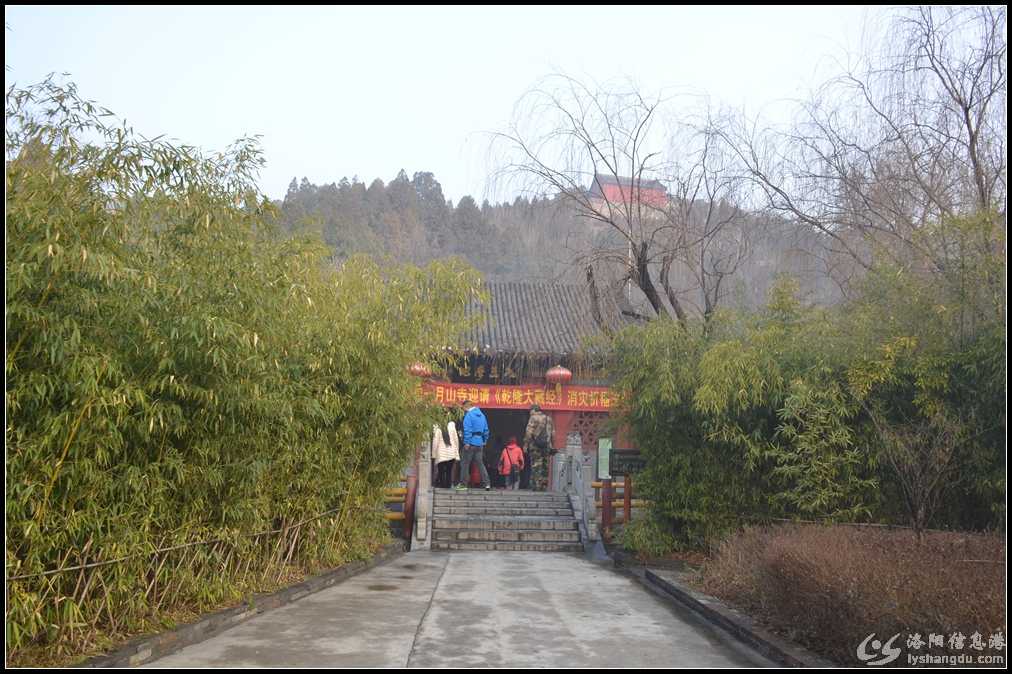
(563, 421)
(650, 197)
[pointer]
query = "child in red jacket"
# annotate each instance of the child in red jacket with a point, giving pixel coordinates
(511, 462)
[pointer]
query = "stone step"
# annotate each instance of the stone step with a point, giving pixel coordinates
(516, 536)
(501, 495)
(497, 523)
(502, 489)
(493, 495)
(505, 546)
(491, 503)
(442, 509)
(481, 495)
(555, 503)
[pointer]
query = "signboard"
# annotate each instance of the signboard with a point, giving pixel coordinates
(603, 458)
(626, 462)
(521, 397)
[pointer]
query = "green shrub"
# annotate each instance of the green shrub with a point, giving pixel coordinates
(647, 537)
(797, 412)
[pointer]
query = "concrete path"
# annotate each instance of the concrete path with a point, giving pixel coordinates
(474, 609)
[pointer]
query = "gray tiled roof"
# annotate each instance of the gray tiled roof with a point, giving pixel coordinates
(539, 319)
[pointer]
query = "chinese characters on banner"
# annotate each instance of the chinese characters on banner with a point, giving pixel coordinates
(492, 396)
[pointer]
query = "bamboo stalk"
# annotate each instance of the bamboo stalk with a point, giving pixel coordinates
(63, 457)
(291, 550)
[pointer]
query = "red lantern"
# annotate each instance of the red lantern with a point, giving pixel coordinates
(558, 375)
(420, 370)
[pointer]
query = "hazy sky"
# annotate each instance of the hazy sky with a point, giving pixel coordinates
(345, 91)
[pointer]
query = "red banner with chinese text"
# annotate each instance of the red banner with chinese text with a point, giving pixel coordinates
(494, 396)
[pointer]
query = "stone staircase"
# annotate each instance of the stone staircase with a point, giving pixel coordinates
(503, 520)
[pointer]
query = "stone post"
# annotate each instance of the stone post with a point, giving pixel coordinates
(421, 538)
(586, 493)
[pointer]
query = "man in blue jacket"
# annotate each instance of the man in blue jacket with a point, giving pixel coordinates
(475, 437)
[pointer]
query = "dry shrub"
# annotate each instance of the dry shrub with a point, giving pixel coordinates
(830, 586)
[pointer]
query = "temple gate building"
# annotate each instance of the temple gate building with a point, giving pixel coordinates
(504, 366)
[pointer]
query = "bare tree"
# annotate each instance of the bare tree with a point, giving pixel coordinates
(708, 225)
(911, 137)
(654, 206)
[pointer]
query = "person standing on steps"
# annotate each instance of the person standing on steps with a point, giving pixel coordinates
(445, 454)
(492, 451)
(475, 437)
(538, 445)
(511, 463)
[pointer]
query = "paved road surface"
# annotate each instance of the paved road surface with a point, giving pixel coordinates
(474, 609)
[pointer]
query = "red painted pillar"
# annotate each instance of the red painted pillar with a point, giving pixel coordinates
(562, 421)
(409, 506)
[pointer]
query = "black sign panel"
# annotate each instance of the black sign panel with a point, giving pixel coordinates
(625, 462)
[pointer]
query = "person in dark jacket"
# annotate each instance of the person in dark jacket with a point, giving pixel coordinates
(492, 450)
(538, 445)
(475, 437)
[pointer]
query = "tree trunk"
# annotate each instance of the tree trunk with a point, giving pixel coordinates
(595, 301)
(672, 297)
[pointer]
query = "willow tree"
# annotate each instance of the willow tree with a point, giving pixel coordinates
(649, 177)
(887, 158)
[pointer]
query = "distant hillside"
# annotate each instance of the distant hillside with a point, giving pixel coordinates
(410, 220)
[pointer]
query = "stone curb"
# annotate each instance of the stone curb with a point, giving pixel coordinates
(717, 613)
(146, 648)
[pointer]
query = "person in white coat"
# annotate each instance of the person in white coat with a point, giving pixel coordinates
(445, 453)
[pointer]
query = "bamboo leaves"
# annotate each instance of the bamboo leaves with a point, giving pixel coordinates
(179, 378)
